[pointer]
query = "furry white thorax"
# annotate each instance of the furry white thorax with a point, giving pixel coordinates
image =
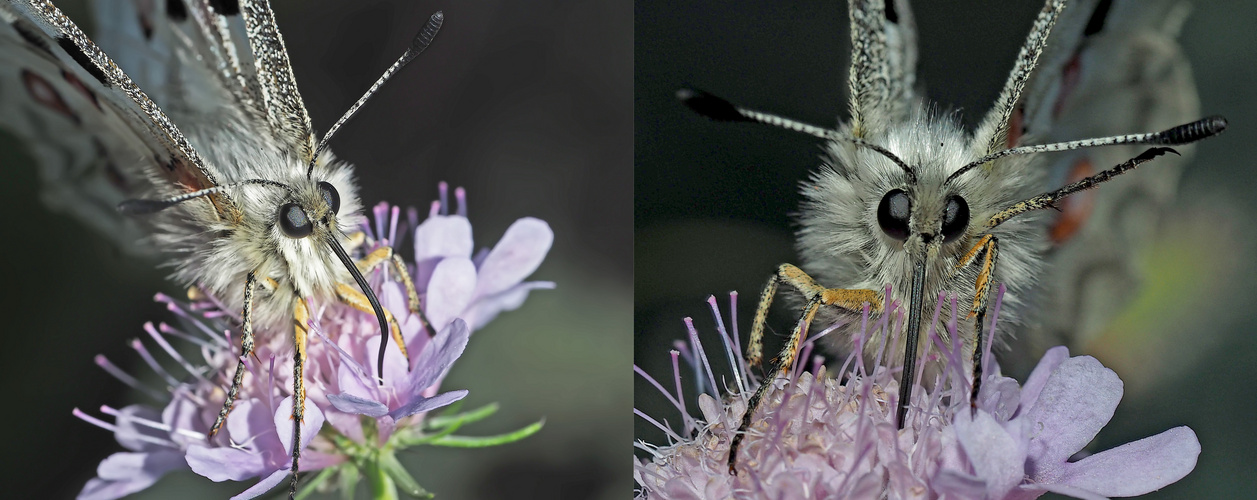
(842, 245)
(217, 255)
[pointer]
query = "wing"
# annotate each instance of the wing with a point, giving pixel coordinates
(98, 138)
(883, 64)
(1110, 68)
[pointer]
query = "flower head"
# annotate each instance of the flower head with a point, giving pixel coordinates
(368, 421)
(822, 437)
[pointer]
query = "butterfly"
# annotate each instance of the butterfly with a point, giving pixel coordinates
(909, 198)
(228, 179)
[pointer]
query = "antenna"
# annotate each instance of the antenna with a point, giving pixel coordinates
(418, 44)
(1182, 134)
(718, 109)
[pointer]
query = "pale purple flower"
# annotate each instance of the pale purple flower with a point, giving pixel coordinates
(261, 438)
(340, 372)
(476, 288)
(824, 437)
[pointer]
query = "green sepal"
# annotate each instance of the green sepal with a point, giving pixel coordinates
(477, 414)
(378, 480)
(390, 465)
(485, 441)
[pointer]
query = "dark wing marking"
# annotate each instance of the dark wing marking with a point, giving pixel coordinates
(182, 169)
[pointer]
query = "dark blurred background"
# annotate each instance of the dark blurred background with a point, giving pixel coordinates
(526, 104)
(712, 199)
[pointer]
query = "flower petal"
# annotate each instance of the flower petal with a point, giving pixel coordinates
(1035, 382)
(998, 457)
(484, 309)
(131, 431)
(450, 290)
(422, 404)
(437, 356)
(349, 403)
(310, 424)
(443, 236)
(516, 256)
(122, 474)
(1137, 467)
(1075, 403)
(222, 464)
(1035, 490)
(263, 486)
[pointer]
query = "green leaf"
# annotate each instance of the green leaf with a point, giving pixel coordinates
(462, 418)
(485, 441)
(394, 469)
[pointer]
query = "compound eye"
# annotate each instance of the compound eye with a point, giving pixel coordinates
(893, 213)
(330, 196)
(955, 217)
(294, 222)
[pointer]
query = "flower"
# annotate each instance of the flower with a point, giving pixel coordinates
(822, 437)
(368, 422)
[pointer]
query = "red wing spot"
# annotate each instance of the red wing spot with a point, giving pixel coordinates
(1016, 127)
(1076, 209)
(78, 85)
(44, 93)
(1069, 82)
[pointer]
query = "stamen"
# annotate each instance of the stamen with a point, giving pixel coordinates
(127, 379)
(444, 187)
(676, 377)
(700, 355)
(152, 363)
(671, 435)
(655, 383)
(170, 351)
(724, 339)
(460, 194)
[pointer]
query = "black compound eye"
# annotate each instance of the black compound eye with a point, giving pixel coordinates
(955, 217)
(330, 196)
(893, 213)
(294, 222)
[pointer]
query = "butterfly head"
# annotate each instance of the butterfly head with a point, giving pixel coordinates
(311, 211)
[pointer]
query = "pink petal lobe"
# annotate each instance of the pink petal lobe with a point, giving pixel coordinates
(516, 256)
(1137, 467)
(310, 424)
(1075, 403)
(263, 486)
(486, 308)
(1035, 382)
(998, 457)
(443, 236)
(450, 290)
(223, 464)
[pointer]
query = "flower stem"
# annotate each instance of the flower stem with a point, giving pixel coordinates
(382, 486)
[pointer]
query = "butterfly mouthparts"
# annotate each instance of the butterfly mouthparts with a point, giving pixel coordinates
(366, 290)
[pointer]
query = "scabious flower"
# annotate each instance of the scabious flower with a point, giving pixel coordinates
(367, 423)
(823, 437)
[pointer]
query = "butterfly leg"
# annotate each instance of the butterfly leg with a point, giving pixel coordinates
(300, 335)
(356, 299)
(816, 296)
(984, 255)
(246, 350)
(385, 254)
